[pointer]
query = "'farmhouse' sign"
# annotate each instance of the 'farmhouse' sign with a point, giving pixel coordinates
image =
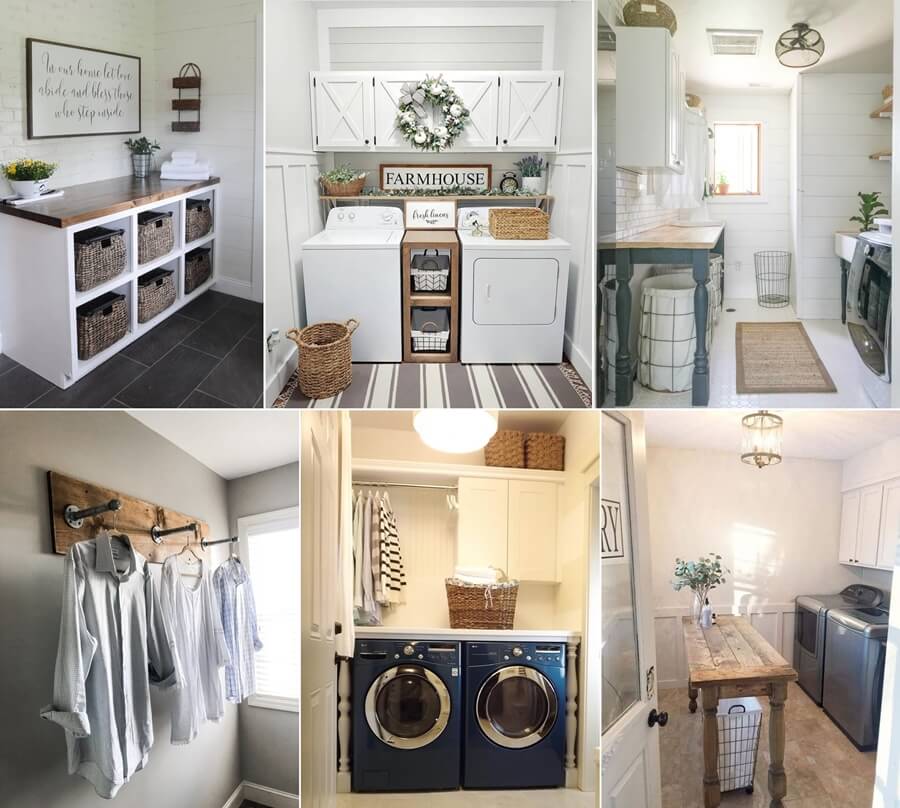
(74, 91)
(612, 542)
(430, 214)
(435, 178)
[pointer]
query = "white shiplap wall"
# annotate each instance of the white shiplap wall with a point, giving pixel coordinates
(836, 137)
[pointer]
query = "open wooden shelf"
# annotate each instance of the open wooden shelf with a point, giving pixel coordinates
(461, 198)
(881, 155)
(886, 110)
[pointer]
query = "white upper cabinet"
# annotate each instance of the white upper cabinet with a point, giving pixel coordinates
(480, 94)
(890, 525)
(532, 530)
(849, 526)
(869, 525)
(342, 111)
(482, 524)
(530, 110)
(387, 89)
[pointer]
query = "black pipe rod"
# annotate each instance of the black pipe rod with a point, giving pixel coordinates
(112, 505)
(231, 540)
(157, 533)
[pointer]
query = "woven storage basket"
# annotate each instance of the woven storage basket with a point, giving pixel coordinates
(506, 448)
(661, 17)
(156, 235)
(482, 606)
(156, 292)
(100, 323)
(519, 223)
(324, 361)
(343, 188)
(545, 451)
(198, 221)
(197, 268)
(100, 254)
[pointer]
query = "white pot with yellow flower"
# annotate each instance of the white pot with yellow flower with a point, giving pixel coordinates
(29, 178)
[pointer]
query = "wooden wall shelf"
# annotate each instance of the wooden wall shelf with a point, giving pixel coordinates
(881, 155)
(886, 110)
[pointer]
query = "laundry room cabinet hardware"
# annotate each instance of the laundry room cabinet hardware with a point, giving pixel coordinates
(137, 518)
(870, 525)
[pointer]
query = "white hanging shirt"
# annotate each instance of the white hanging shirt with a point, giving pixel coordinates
(234, 595)
(113, 643)
(202, 652)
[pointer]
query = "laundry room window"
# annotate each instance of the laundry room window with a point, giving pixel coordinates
(270, 546)
(737, 157)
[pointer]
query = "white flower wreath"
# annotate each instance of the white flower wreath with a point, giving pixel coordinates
(412, 116)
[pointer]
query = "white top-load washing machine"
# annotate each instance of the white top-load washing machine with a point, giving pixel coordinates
(351, 270)
(513, 295)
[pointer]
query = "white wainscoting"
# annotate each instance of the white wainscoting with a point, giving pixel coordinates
(571, 185)
(775, 621)
(293, 214)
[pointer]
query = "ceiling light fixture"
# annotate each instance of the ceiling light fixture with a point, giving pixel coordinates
(455, 431)
(800, 46)
(761, 444)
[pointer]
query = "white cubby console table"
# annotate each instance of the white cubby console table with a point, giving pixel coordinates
(38, 299)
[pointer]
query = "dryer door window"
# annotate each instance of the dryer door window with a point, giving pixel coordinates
(515, 291)
(516, 707)
(408, 707)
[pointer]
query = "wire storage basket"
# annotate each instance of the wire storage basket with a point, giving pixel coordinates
(430, 272)
(482, 606)
(430, 330)
(773, 278)
(739, 725)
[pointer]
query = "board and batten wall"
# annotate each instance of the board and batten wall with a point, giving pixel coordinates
(836, 137)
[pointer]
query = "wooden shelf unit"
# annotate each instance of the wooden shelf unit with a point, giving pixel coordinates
(416, 241)
(886, 110)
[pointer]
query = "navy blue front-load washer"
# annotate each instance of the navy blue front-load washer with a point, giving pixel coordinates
(514, 728)
(407, 716)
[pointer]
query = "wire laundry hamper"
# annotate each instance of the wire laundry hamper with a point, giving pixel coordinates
(739, 724)
(773, 278)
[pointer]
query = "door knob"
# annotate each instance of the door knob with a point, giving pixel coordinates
(657, 718)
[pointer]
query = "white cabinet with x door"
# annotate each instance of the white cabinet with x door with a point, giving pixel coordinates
(530, 110)
(342, 111)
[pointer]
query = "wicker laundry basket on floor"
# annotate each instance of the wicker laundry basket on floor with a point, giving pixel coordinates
(325, 354)
(482, 606)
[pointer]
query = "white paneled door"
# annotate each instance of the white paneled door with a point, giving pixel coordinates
(480, 94)
(320, 464)
(630, 767)
(342, 111)
(529, 103)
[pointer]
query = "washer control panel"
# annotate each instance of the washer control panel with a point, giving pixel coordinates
(520, 653)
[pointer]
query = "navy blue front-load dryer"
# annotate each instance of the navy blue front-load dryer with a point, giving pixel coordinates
(407, 716)
(515, 704)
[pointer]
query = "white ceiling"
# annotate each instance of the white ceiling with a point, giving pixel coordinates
(232, 444)
(857, 36)
(525, 420)
(816, 434)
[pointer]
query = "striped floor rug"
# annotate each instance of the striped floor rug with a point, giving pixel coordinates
(414, 386)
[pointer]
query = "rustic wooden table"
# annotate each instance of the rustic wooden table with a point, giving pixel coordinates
(730, 660)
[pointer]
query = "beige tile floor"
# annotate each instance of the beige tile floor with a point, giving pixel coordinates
(540, 798)
(824, 770)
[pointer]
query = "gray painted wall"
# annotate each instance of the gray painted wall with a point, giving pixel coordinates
(113, 449)
(269, 739)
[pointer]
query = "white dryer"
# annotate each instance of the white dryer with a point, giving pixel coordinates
(513, 295)
(352, 270)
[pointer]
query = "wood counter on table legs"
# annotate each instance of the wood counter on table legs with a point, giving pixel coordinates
(712, 794)
(777, 776)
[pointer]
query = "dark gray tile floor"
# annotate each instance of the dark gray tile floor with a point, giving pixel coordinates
(209, 355)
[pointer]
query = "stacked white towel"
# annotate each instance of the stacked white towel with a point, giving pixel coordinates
(478, 575)
(183, 165)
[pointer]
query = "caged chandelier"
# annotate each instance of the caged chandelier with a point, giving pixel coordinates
(761, 444)
(799, 46)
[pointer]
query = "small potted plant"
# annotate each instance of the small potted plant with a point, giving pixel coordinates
(343, 181)
(29, 178)
(531, 167)
(870, 206)
(723, 186)
(142, 155)
(701, 577)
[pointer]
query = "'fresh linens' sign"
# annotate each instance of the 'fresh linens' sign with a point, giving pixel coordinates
(430, 214)
(75, 91)
(435, 177)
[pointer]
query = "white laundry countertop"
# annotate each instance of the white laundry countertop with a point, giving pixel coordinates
(470, 634)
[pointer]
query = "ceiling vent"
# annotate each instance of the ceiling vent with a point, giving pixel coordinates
(724, 42)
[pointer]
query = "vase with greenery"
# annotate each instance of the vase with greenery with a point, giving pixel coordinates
(870, 206)
(723, 186)
(531, 168)
(344, 180)
(29, 178)
(142, 155)
(701, 577)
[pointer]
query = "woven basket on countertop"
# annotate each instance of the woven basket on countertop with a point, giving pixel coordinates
(198, 219)
(639, 13)
(100, 323)
(519, 223)
(156, 292)
(482, 606)
(545, 451)
(100, 254)
(353, 188)
(506, 448)
(324, 357)
(156, 235)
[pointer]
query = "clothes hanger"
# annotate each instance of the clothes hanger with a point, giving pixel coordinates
(188, 547)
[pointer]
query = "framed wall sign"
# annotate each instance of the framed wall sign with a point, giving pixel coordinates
(75, 91)
(430, 214)
(434, 177)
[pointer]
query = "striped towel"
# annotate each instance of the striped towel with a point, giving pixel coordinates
(391, 572)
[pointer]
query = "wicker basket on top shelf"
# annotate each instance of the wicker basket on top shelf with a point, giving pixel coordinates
(506, 449)
(482, 606)
(652, 14)
(545, 451)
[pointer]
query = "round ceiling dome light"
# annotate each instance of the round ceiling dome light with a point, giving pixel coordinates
(800, 46)
(455, 431)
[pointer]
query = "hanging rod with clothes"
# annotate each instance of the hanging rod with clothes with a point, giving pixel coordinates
(75, 517)
(229, 540)
(157, 533)
(406, 485)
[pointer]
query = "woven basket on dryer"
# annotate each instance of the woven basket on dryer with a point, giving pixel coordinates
(198, 219)
(324, 360)
(156, 235)
(506, 448)
(156, 292)
(545, 451)
(482, 606)
(100, 254)
(519, 223)
(100, 323)
(650, 14)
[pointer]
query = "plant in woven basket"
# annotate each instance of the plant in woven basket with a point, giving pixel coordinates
(343, 175)
(701, 577)
(870, 206)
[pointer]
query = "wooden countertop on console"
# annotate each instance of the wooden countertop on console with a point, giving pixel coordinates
(94, 200)
(669, 237)
(471, 634)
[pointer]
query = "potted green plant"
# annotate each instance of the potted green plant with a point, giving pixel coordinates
(531, 167)
(29, 178)
(343, 181)
(701, 577)
(723, 186)
(142, 155)
(870, 206)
